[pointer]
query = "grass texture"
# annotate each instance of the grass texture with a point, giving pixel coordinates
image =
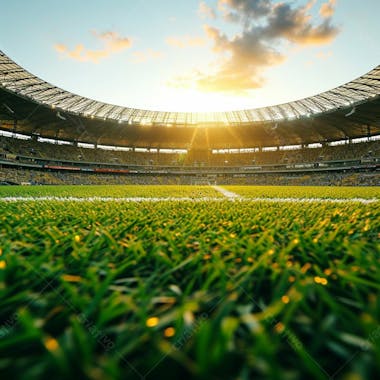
(182, 289)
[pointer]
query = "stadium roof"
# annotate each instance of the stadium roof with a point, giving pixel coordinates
(348, 111)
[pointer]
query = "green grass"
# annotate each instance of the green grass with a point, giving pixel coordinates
(208, 290)
(306, 192)
(113, 191)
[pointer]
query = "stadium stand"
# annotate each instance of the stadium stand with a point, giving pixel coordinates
(34, 162)
(51, 136)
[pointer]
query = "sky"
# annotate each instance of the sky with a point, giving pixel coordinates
(193, 55)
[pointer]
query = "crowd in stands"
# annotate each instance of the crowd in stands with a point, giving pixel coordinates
(223, 168)
(35, 149)
(366, 151)
(39, 177)
(13, 176)
(22, 176)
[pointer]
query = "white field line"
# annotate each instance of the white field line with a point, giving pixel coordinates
(315, 200)
(189, 199)
(107, 199)
(228, 194)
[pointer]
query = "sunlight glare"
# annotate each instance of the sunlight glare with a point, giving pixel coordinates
(193, 100)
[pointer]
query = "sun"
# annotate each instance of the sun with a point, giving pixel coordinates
(194, 100)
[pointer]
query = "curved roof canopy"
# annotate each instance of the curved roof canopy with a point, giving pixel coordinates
(19, 81)
(30, 106)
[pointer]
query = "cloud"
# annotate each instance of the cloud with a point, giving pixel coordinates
(244, 10)
(112, 43)
(144, 56)
(205, 11)
(327, 10)
(295, 25)
(242, 60)
(185, 41)
(267, 29)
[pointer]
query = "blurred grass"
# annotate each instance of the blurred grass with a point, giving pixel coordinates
(113, 191)
(332, 192)
(208, 290)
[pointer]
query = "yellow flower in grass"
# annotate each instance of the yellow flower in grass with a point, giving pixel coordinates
(367, 225)
(51, 344)
(3, 264)
(279, 328)
(152, 321)
(169, 332)
(320, 280)
(285, 299)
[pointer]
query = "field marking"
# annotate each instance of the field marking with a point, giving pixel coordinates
(189, 199)
(107, 199)
(227, 194)
(315, 200)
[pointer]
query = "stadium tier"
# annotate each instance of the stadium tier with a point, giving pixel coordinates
(29, 161)
(50, 135)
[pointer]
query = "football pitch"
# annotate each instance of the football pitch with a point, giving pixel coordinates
(151, 282)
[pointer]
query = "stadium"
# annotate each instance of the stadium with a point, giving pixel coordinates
(330, 138)
(207, 244)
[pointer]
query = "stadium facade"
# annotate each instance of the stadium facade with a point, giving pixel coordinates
(39, 111)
